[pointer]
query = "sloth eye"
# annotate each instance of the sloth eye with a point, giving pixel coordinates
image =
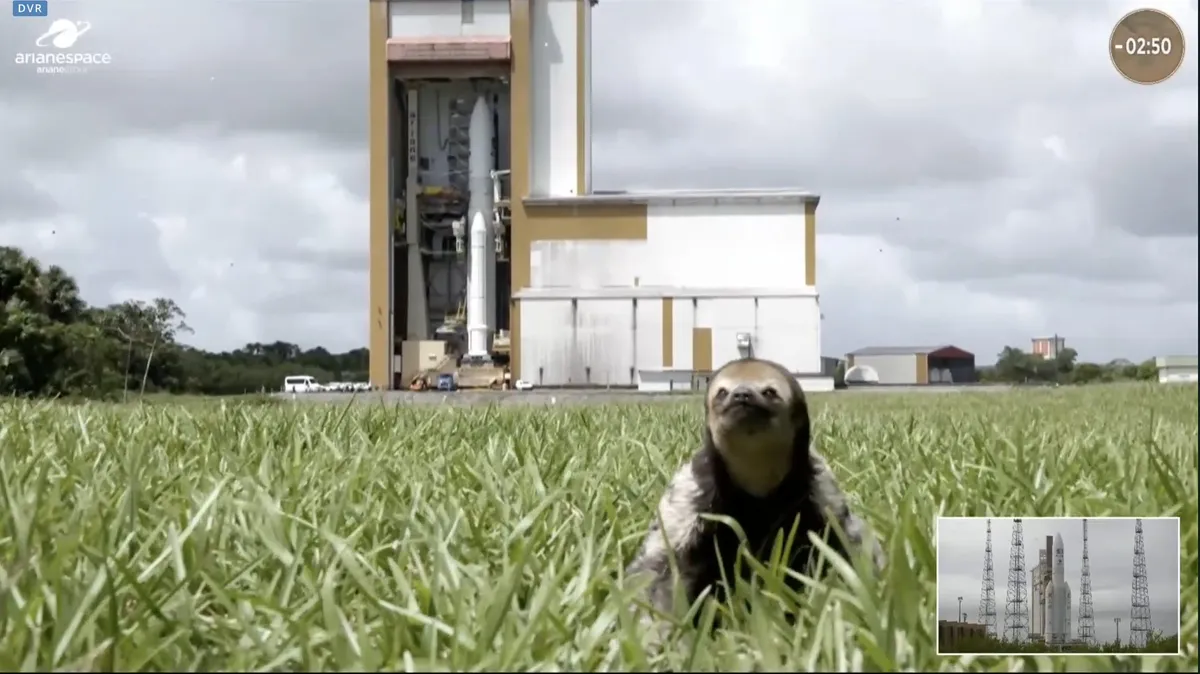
(771, 393)
(721, 393)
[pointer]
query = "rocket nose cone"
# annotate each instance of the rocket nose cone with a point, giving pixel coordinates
(1058, 543)
(478, 224)
(480, 110)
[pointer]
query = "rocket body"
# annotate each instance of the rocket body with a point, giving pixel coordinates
(477, 329)
(482, 135)
(1069, 609)
(1058, 595)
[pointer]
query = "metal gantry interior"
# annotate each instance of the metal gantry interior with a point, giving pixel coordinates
(450, 165)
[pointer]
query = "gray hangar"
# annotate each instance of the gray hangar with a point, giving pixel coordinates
(910, 365)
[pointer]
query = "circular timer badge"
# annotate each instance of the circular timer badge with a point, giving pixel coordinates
(1147, 46)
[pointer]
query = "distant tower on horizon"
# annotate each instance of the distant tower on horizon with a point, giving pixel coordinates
(1048, 347)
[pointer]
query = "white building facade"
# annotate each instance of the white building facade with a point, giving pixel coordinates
(720, 275)
(1177, 369)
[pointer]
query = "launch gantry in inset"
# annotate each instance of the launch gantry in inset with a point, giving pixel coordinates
(1087, 619)
(1050, 602)
(1016, 617)
(987, 595)
(1139, 612)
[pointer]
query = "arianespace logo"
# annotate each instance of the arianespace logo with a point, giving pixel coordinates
(62, 51)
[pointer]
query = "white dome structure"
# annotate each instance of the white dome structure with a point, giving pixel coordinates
(862, 374)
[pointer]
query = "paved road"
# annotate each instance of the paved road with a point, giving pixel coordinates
(577, 396)
(975, 388)
(469, 398)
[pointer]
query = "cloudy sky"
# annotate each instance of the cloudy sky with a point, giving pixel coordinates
(960, 550)
(987, 175)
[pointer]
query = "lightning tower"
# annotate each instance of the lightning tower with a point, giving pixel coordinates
(1087, 619)
(987, 595)
(1016, 615)
(1139, 613)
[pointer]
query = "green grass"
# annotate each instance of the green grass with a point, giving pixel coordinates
(238, 536)
(1156, 643)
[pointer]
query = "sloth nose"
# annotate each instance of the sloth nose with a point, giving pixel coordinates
(741, 394)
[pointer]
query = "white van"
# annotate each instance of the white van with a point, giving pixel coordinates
(301, 384)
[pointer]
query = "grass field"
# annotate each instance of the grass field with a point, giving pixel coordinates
(293, 537)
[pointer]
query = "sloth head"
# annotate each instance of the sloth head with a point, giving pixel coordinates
(757, 420)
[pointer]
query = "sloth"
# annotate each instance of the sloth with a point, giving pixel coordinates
(756, 467)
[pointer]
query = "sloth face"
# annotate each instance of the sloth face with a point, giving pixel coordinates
(756, 421)
(749, 395)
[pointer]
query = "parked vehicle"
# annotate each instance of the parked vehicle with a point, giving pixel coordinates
(347, 386)
(301, 384)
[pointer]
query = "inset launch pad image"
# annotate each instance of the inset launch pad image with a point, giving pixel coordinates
(1058, 585)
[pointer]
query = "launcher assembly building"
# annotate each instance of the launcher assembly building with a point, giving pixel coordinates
(493, 260)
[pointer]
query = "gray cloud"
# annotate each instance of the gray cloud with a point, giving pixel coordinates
(1165, 203)
(974, 192)
(21, 199)
(960, 552)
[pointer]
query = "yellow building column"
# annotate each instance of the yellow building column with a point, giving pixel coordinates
(519, 147)
(379, 239)
(810, 243)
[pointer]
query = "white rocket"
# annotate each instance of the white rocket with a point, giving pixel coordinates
(477, 329)
(1069, 609)
(1050, 595)
(1058, 596)
(480, 261)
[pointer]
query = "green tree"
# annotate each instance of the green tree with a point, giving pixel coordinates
(1088, 373)
(1064, 362)
(1147, 370)
(1015, 366)
(38, 308)
(153, 326)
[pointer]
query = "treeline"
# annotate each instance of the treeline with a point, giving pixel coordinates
(52, 343)
(1156, 643)
(1015, 366)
